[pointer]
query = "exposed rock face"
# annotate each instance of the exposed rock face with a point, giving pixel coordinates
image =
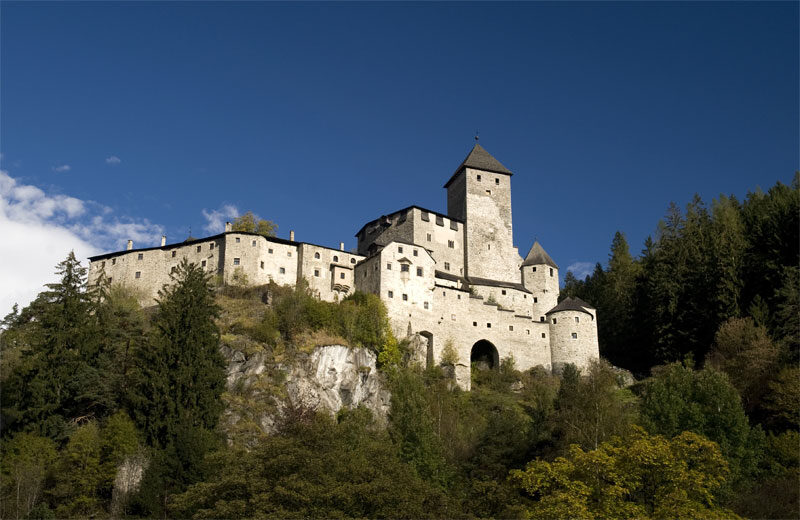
(330, 378)
(336, 377)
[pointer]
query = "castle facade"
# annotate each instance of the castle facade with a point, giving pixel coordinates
(454, 279)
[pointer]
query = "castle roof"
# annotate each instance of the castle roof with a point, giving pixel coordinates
(538, 256)
(383, 218)
(571, 304)
(480, 159)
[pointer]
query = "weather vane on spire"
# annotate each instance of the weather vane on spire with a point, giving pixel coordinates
(476, 136)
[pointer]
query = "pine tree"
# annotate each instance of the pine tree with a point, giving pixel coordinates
(175, 399)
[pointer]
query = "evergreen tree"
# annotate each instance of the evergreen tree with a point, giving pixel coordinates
(181, 374)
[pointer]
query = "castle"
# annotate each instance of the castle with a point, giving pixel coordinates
(451, 279)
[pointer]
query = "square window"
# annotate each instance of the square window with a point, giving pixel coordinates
(404, 268)
(429, 237)
(574, 335)
(199, 248)
(451, 244)
(511, 327)
(109, 279)
(474, 323)
(288, 253)
(399, 249)
(262, 265)
(488, 192)
(405, 297)
(283, 270)
(341, 276)
(425, 216)
(138, 274)
(235, 261)
(503, 292)
(203, 263)
(391, 294)
(419, 271)
(316, 272)
(388, 266)
(447, 266)
(541, 318)
(141, 256)
(425, 305)
(439, 220)
(416, 252)
(488, 325)
(269, 251)
(544, 335)
(238, 240)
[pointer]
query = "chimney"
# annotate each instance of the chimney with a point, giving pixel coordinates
(291, 235)
(130, 245)
(228, 227)
(341, 246)
(163, 240)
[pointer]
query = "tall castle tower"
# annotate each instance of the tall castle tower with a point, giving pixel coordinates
(479, 194)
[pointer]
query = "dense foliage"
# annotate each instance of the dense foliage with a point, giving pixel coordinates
(111, 410)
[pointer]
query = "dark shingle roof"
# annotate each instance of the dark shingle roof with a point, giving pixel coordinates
(480, 159)
(474, 280)
(571, 304)
(538, 256)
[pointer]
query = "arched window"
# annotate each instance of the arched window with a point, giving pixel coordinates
(335, 258)
(316, 255)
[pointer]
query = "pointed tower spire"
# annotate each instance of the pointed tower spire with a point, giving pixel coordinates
(538, 256)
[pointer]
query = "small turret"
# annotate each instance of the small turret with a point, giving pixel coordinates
(573, 334)
(540, 276)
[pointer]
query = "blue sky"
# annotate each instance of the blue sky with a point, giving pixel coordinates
(129, 120)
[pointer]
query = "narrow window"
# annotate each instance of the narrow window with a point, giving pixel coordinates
(203, 263)
(555, 321)
(425, 305)
(341, 276)
(114, 260)
(451, 244)
(544, 335)
(138, 274)
(288, 253)
(497, 181)
(109, 279)
(528, 332)
(533, 269)
(316, 272)
(399, 249)
(416, 252)
(404, 268)
(541, 319)
(429, 237)
(141, 256)
(479, 178)
(388, 266)
(235, 261)
(535, 299)
(174, 253)
(574, 335)
(458, 296)
(283, 270)
(405, 297)
(551, 271)
(391, 294)
(577, 319)
(199, 248)
(474, 323)
(262, 265)
(511, 327)
(419, 271)
(237, 240)
(253, 244)
(335, 258)
(447, 266)
(526, 296)
(211, 245)
(173, 269)
(489, 247)
(316, 256)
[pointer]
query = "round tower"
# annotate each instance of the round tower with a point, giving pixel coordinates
(573, 334)
(540, 277)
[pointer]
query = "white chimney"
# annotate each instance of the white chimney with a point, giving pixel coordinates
(163, 240)
(130, 245)
(341, 246)
(291, 235)
(228, 227)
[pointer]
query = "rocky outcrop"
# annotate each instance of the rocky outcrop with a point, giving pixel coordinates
(330, 378)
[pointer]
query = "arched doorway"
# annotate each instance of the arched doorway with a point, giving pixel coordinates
(484, 356)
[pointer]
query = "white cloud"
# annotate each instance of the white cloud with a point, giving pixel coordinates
(581, 269)
(113, 160)
(62, 168)
(39, 230)
(215, 219)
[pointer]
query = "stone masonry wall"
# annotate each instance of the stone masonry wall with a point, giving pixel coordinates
(579, 349)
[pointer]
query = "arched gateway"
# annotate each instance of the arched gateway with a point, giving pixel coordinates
(484, 355)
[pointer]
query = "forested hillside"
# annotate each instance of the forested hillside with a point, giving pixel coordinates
(112, 410)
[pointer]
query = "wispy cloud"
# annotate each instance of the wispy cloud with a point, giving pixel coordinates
(62, 168)
(39, 230)
(113, 160)
(215, 219)
(581, 269)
